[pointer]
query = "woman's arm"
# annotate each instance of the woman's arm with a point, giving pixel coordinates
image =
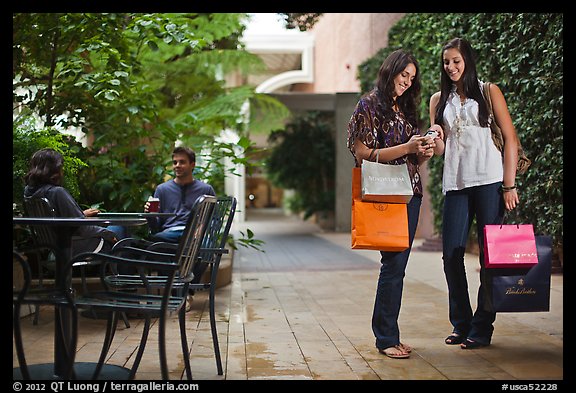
(440, 146)
(385, 154)
(361, 124)
(504, 121)
(68, 207)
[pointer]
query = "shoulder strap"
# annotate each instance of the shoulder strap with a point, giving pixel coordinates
(487, 95)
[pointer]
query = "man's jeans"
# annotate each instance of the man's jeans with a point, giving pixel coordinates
(174, 236)
(168, 236)
(484, 203)
(390, 284)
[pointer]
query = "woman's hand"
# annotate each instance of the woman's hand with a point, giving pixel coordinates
(426, 154)
(439, 130)
(438, 140)
(418, 144)
(91, 212)
(428, 146)
(511, 199)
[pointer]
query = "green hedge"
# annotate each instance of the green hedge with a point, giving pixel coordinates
(26, 140)
(523, 54)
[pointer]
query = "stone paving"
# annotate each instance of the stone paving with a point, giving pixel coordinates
(301, 310)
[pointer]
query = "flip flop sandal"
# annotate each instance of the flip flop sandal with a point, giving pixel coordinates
(390, 352)
(471, 344)
(405, 347)
(454, 339)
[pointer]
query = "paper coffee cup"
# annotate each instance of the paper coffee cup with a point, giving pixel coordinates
(154, 204)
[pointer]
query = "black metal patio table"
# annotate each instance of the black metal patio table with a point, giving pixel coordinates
(65, 227)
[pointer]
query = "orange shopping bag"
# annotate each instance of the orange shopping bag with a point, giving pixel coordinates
(377, 225)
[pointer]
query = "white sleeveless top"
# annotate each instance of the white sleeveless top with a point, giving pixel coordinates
(470, 157)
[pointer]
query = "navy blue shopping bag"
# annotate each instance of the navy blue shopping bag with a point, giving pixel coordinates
(522, 289)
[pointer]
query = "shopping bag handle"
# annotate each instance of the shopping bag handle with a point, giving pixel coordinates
(378, 153)
(372, 153)
(504, 218)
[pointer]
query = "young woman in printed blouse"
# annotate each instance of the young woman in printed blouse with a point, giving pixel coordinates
(477, 182)
(385, 122)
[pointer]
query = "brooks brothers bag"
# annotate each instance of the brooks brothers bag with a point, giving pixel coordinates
(522, 289)
(377, 225)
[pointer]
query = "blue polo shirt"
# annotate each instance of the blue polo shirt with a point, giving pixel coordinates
(179, 199)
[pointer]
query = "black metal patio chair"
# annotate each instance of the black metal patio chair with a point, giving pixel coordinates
(157, 301)
(213, 247)
(43, 247)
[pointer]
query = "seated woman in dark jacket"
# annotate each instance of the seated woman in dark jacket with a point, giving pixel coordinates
(44, 179)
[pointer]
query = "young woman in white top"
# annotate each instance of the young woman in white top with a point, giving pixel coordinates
(478, 182)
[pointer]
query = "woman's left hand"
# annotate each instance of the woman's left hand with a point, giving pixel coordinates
(426, 148)
(426, 154)
(511, 199)
(91, 212)
(439, 130)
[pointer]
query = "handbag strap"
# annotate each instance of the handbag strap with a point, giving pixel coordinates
(487, 95)
(488, 101)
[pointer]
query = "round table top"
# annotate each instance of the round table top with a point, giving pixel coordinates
(76, 221)
(134, 214)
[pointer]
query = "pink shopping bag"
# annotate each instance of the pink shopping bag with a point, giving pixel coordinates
(509, 246)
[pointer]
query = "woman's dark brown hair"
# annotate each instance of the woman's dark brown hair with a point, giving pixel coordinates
(408, 102)
(45, 168)
(469, 81)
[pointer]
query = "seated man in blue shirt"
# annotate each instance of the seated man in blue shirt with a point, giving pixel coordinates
(177, 195)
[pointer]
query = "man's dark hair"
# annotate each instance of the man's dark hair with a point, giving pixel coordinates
(185, 150)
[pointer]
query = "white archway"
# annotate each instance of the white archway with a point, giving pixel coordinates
(301, 44)
(274, 48)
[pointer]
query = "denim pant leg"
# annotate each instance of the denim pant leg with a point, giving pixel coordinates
(120, 231)
(460, 207)
(390, 285)
(456, 221)
(489, 210)
(167, 236)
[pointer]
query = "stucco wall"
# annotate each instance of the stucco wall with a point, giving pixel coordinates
(342, 42)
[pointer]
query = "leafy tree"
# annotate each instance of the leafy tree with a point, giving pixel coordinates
(135, 84)
(301, 21)
(302, 159)
(26, 143)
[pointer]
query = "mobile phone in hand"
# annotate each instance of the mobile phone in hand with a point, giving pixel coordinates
(431, 133)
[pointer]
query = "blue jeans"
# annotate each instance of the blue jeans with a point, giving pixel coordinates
(460, 207)
(120, 231)
(168, 236)
(390, 285)
(174, 237)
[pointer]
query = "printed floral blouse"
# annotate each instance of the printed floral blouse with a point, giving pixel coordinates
(367, 125)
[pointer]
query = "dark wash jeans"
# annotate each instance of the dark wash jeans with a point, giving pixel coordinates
(390, 285)
(168, 236)
(460, 207)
